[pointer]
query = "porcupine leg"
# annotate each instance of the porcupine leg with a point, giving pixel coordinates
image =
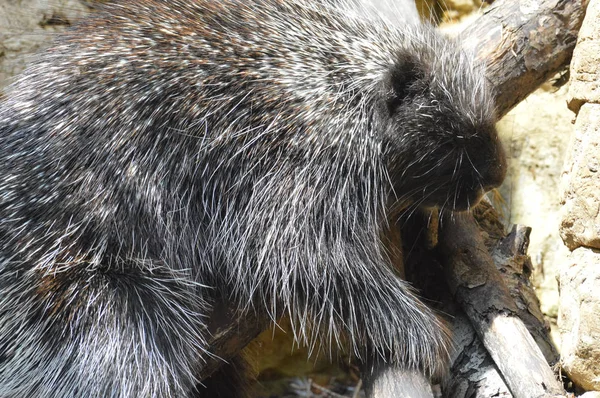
(380, 317)
(119, 331)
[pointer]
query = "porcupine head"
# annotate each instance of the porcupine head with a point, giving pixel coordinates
(440, 143)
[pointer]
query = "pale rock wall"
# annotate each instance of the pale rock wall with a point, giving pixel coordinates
(579, 313)
(26, 26)
(580, 215)
(579, 322)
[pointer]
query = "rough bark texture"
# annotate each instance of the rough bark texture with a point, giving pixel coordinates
(524, 43)
(479, 288)
(511, 259)
(389, 382)
(473, 373)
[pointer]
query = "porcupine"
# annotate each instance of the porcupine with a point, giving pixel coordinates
(163, 152)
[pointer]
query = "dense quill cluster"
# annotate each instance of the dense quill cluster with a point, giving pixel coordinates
(163, 152)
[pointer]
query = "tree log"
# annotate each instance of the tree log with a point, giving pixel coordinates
(387, 382)
(472, 372)
(230, 332)
(524, 43)
(482, 293)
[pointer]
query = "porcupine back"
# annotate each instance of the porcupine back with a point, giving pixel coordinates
(163, 152)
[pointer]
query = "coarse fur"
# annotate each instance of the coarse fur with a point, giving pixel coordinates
(164, 151)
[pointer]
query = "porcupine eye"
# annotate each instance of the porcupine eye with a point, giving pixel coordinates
(403, 81)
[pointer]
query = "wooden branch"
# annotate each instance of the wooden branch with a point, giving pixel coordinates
(510, 258)
(230, 333)
(472, 372)
(480, 290)
(387, 382)
(523, 44)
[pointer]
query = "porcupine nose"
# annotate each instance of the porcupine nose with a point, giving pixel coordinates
(496, 170)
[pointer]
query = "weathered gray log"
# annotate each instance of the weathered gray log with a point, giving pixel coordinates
(480, 290)
(524, 43)
(387, 382)
(510, 258)
(472, 371)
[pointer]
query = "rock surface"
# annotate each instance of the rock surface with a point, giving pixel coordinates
(26, 26)
(579, 323)
(535, 136)
(580, 215)
(585, 67)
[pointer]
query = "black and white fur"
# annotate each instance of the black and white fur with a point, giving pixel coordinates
(163, 152)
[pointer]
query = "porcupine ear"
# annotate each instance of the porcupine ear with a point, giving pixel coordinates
(403, 80)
